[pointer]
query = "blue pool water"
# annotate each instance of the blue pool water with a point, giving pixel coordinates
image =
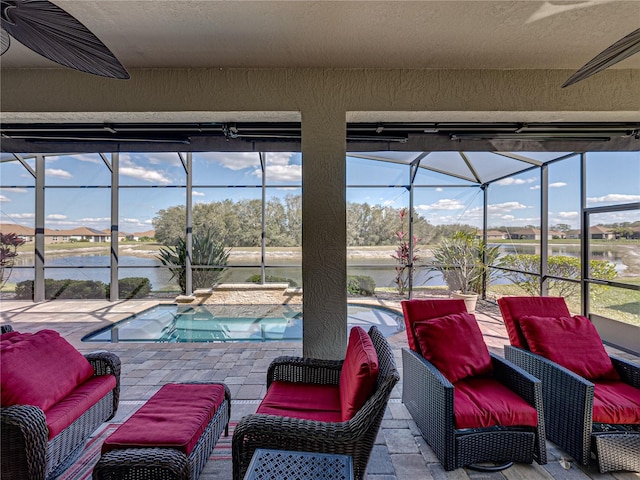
(232, 323)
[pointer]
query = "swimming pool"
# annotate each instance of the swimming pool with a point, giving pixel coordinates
(176, 323)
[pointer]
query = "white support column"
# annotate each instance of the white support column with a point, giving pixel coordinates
(324, 247)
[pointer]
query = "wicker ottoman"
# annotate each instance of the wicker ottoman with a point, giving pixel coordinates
(170, 437)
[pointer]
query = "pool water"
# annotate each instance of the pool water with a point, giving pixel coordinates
(232, 323)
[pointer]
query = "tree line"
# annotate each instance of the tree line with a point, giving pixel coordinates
(239, 223)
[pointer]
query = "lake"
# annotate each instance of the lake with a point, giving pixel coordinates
(379, 265)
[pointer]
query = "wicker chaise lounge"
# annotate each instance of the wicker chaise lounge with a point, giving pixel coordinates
(589, 418)
(354, 437)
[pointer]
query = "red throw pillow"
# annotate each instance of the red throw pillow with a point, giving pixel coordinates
(40, 369)
(454, 344)
(572, 342)
(359, 373)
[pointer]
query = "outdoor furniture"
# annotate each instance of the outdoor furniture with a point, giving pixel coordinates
(591, 399)
(53, 399)
(322, 406)
(170, 437)
(269, 464)
(471, 407)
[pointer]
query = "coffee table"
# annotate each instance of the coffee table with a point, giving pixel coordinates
(269, 464)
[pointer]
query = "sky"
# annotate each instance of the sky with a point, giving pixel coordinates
(79, 193)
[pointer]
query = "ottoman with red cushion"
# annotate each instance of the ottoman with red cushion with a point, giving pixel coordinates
(170, 437)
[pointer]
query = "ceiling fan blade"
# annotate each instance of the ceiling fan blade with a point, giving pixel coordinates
(623, 48)
(55, 34)
(5, 41)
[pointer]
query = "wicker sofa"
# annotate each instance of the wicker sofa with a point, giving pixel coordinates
(53, 399)
(310, 428)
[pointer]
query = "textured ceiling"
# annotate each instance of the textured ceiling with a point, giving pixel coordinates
(454, 34)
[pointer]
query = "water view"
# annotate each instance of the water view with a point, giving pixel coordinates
(378, 264)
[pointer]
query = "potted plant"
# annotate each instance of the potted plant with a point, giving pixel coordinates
(460, 261)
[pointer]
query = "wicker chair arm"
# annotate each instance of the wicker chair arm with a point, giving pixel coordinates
(568, 402)
(629, 372)
(517, 379)
(24, 435)
(428, 396)
(305, 370)
(530, 389)
(107, 363)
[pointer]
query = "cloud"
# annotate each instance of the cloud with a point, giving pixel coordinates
(4, 199)
(197, 194)
(85, 157)
(557, 184)
(283, 173)
(615, 197)
(497, 208)
(568, 215)
(56, 216)
(505, 182)
(94, 220)
(57, 172)
(21, 215)
(233, 161)
(152, 176)
(279, 158)
(15, 190)
(443, 204)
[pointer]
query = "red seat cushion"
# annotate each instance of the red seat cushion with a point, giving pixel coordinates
(616, 402)
(40, 369)
(174, 417)
(572, 342)
(359, 373)
(302, 400)
(70, 408)
(484, 402)
(418, 310)
(513, 308)
(455, 346)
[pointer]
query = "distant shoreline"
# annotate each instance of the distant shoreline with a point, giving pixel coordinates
(629, 254)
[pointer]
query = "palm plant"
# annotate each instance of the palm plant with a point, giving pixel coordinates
(460, 259)
(208, 255)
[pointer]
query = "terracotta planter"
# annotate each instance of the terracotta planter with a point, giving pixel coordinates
(470, 300)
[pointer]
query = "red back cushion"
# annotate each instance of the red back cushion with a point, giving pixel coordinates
(572, 342)
(359, 373)
(418, 310)
(455, 346)
(40, 369)
(513, 308)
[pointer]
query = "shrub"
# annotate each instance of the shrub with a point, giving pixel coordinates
(63, 289)
(363, 285)
(257, 278)
(558, 266)
(24, 290)
(132, 287)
